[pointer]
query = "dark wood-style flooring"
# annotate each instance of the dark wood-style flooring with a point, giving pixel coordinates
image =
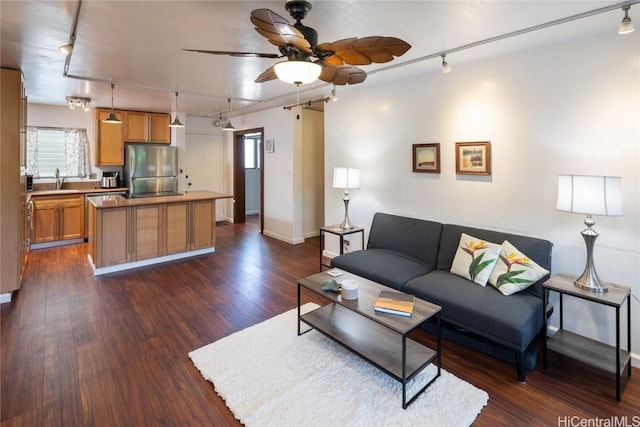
(79, 350)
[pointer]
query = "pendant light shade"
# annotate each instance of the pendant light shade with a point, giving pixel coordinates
(228, 126)
(626, 26)
(112, 115)
(446, 68)
(297, 72)
(176, 122)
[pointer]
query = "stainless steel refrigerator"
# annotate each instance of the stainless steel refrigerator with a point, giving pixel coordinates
(150, 170)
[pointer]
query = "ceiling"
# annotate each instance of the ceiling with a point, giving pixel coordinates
(137, 45)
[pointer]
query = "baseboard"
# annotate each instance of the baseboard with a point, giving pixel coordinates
(98, 271)
(5, 297)
(283, 238)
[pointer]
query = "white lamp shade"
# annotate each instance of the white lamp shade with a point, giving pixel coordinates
(297, 72)
(590, 195)
(346, 178)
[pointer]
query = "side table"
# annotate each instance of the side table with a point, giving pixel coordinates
(586, 350)
(335, 229)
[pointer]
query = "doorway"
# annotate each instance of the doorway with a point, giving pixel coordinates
(242, 140)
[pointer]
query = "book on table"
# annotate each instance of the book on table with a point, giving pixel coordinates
(394, 303)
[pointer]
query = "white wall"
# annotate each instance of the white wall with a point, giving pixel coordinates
(201, 159)
(567, 108)
(56, 116)
(279, 174)
(312, 172)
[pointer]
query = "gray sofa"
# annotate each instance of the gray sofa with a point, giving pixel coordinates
(415, 256)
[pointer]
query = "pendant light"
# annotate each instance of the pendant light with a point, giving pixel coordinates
(626, 26)
(229, 126)
(112, 116)
(445, 65)
(176, 122)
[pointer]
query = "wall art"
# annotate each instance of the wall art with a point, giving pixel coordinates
(473, 158)
(426, 158)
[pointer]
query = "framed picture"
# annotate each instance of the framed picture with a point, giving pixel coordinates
(426, 158)
(473, 158)
(270, 146)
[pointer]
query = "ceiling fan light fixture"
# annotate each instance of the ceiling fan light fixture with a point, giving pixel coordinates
(626, 26)
(446, 68)
(176, 122)
(112, 115)
(297, 72)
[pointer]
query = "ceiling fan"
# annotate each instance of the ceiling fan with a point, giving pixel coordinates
(334, 62)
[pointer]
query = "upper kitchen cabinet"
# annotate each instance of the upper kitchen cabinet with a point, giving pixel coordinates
(12, 197)
(147, 127)
(109, 139)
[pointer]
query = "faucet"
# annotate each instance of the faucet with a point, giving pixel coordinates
(59, 181)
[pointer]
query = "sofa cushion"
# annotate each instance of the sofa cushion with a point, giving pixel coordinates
(537, 250)
(514, 271)
(383, 266)
(482, 310)
(415, 238)
(475, 259)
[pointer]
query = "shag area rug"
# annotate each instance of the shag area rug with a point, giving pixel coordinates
(270, 376)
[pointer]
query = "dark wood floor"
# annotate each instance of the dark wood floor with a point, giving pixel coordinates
(112, 351)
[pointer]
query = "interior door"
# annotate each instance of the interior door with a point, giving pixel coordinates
(204, 165)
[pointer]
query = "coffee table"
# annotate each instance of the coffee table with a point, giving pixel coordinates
(379, 338)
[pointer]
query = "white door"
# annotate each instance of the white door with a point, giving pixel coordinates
(204, 165)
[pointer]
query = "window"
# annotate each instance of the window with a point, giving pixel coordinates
(251, 154)
(50, 148)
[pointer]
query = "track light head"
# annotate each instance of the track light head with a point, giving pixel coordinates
(626, 26)
(445, 65)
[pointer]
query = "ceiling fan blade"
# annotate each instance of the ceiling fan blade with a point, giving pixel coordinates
(364, 51)
(278, 31)
(239, 54)
(341, 74)
(267, 75)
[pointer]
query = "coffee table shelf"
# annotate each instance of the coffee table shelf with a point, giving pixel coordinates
(380, 339)
(379, 345)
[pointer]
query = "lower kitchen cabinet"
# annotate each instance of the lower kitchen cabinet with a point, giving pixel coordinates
(126, 234)
(189, 226)
(57, 218)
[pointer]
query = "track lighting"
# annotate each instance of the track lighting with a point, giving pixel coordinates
(334, 97)
(76, 101)
(112, 116)
(176, 122)
(445, 65)
(228, 126)
(626, 26)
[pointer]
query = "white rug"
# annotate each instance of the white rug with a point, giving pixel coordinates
(270, 376)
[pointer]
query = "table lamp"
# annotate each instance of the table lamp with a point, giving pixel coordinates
(346, 178)
(590, 195)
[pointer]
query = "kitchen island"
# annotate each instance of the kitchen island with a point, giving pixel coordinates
(128, 233)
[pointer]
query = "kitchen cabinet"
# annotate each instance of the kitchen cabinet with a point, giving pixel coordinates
(126, 233)
(146, 227)
(147, 127)
(57, 218)
(13, 251)
(109, 139)
(189, 226)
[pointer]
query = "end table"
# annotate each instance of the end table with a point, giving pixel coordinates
(341, 232)
(583, 349)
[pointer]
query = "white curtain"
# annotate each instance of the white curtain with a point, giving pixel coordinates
(32, 151)
(77, 152)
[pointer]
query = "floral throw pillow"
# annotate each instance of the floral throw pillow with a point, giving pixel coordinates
(474, 259)
(514, 271)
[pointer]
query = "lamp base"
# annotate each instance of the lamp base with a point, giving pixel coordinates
(589, 279)
(346, 224)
